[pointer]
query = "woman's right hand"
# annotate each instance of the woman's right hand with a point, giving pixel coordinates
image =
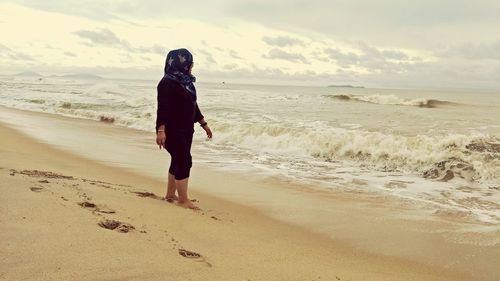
(161, 138)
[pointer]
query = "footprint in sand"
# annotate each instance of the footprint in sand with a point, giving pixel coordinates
(194, 256)
(43, 174)
(104, 184)
(101, 208)
(147, 194)
(36, 189)
(86, 204)
(116, 225)
(104, 209)
(189, 254)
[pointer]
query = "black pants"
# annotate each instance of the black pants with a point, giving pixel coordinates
(178, 144)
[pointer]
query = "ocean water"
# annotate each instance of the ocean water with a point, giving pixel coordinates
(436, 148)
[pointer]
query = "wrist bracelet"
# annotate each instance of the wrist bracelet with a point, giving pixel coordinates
(160, 131)
(204, 124)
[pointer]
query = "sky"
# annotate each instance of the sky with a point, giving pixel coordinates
(437, 44)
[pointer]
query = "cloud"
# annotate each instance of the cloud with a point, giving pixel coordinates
(395, 55)
(230, 66)
(276, 75)
(417, 44)
(154, 49)
(4, 48)
(106, 37)
(282, 41)
(474, 51)
(343, 59)
(372, 59)
(126, 10)
(278, 54)
(102, 36)
(389, 22)
(10, 54)
(234, 54)
(16, 56)
(404, 24)
(92, 9)
(208, 57)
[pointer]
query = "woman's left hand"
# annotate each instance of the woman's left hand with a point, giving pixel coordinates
(208, 131)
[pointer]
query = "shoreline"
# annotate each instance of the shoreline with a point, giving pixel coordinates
(325, 257)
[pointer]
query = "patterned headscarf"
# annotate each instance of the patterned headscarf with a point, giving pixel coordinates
(177, 67)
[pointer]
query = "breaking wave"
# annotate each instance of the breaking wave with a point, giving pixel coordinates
(392, 100)
(471, 157)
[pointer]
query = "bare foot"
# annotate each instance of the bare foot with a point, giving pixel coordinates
(188, 205)
(171, 199)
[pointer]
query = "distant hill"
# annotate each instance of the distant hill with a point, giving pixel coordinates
(81, 76)
(345, 86)
(29, 74)
(71, 76)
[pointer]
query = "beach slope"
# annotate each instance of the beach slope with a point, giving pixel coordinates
(63, 217)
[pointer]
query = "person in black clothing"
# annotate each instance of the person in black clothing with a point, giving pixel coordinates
(175, 117)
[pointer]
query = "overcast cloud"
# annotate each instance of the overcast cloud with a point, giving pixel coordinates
(279, 54)
(380, 43)
(282, 41)
(102, 37)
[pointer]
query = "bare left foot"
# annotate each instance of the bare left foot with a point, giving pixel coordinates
(188, 205)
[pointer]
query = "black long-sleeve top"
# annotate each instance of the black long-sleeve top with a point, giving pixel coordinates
(176, 108)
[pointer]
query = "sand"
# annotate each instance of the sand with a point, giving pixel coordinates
(65, 217)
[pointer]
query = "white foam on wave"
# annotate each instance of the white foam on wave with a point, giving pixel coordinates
(459, 197)
(96, 100)
(384, 151)
(391, 100)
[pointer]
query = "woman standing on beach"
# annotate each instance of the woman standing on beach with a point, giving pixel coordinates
(176, 114)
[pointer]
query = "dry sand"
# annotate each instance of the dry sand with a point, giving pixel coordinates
(64, 217)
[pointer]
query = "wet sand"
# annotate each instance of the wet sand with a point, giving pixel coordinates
(64, 216)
